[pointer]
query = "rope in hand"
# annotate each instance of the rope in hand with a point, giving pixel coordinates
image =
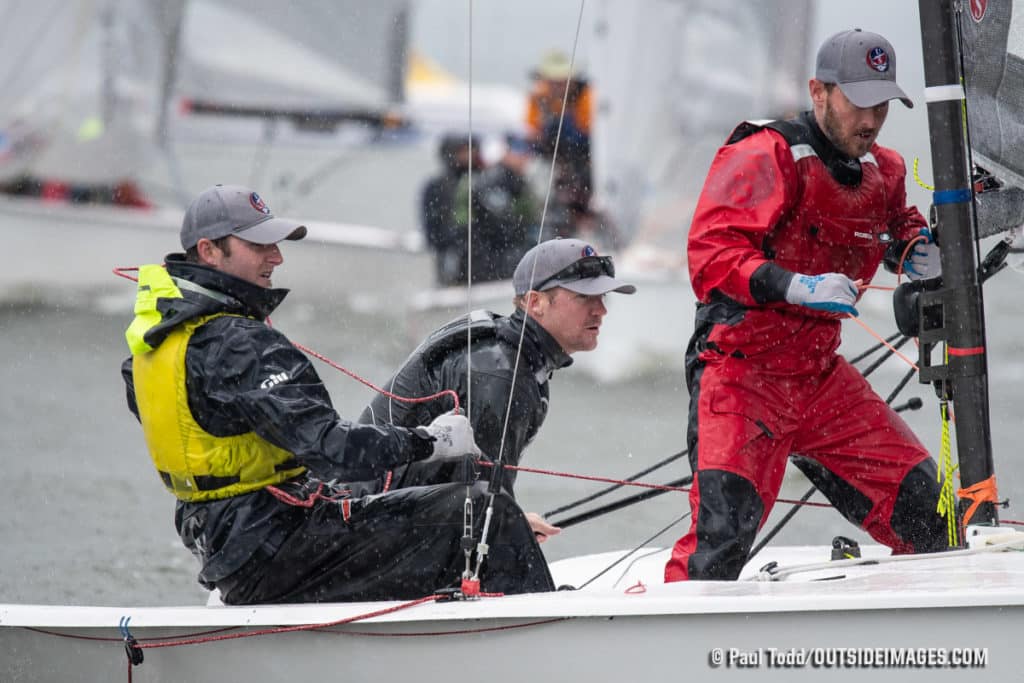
(863, 287)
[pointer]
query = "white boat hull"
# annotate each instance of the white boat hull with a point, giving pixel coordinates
(910, 616)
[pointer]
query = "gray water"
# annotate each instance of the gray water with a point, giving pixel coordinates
(84, 519)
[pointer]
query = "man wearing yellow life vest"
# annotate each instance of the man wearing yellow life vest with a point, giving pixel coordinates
(242, 431)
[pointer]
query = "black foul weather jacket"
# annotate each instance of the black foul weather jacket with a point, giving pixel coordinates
(442, 362)
(246, 383)
(244, 376)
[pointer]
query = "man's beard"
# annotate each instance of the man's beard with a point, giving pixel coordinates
(851, 145)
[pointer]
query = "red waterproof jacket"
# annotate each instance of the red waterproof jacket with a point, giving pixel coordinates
(767, 199)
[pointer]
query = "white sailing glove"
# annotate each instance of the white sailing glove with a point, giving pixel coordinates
(832, 292)
(924, 261)
(452, 435)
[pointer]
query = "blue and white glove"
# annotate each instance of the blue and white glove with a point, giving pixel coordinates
(923, 261)
(452, 435)
(832, 292)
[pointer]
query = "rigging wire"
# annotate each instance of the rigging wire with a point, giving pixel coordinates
(495, 483)
(540, 232)
(635, 550)
(958, 13)
(468, 575)
(469, 233)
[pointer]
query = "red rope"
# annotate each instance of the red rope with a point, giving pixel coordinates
(122, 271)
(327, 631)
(456, 632)
(300, 627)
(404, 399)
(289, 499)
(906, 253)
(625, 482)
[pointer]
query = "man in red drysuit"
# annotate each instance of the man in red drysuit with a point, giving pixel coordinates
(794, 215)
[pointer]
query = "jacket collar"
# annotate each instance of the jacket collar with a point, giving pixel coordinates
(243, 298)
(846, 170)
(546, 356)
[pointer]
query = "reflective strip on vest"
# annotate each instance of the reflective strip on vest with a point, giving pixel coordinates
(801, 151)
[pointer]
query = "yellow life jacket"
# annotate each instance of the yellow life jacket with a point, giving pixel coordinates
(194, 464)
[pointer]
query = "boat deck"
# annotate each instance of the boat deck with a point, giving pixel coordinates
(954, 579)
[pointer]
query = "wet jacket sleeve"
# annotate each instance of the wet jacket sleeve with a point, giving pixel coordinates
(749, 188)
(489, 403)
(245, 376)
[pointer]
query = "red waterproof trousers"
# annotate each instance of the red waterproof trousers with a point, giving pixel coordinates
(750, 419)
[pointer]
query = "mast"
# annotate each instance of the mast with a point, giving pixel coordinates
(957, 305)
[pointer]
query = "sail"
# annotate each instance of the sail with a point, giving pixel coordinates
(993, 35)
(87, 83)
(314, 57)
(81, 87)
(993, 52)
(672, 78)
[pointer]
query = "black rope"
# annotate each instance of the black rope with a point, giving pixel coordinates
(619, 504)
(613, 487)
(885, 356)
(890, 339)
(899, 387)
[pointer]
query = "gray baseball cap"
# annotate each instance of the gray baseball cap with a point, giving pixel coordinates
(863, 65)
(226, 210)
(568, 263)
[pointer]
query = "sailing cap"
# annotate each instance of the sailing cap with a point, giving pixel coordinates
(555, 66)
(863, 65)
(568, 263)
(226, 210)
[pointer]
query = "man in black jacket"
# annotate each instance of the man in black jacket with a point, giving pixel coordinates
(443, 234)
(559, 299)
(242, 431)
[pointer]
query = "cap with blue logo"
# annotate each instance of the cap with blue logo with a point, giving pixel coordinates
(226, 210)
(863, 65)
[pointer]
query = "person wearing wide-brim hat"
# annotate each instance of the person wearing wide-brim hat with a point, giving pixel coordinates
(551, 77)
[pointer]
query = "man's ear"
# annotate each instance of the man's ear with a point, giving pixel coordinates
(817, 91)
(536, 303)
(208, 252)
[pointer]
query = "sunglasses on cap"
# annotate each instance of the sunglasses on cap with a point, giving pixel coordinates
(583, 269)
